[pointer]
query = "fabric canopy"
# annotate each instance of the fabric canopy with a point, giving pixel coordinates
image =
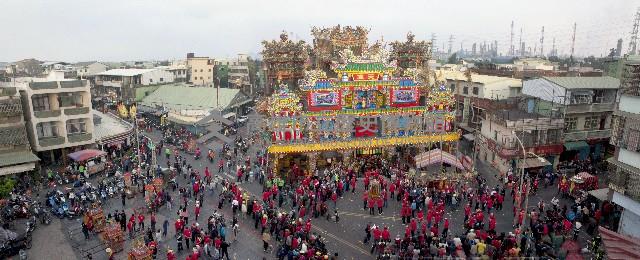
(437, 156)
(601, 194)
(535, 162)
(619, 246)
(86, 154)
(574, 146)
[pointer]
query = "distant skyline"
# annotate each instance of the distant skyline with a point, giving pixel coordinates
(125, 30)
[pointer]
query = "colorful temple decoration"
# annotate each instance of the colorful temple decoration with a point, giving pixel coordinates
(284, 60)
(367, 107)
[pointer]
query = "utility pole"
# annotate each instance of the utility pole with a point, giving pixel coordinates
(542, 43)
(573, 40)
(634, 34)
(511, 49)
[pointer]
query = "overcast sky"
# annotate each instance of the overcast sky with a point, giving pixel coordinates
(113, 30)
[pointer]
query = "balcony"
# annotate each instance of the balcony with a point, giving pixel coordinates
(51, 141)
(76, 138)
(624, 178)
(76, 111)
(72, 83)
(587, 135)
(590, 108)
(43, 85)
(8, 92)
(106, 83)
(47, 113)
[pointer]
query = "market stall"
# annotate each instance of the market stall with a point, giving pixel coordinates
(94, 161)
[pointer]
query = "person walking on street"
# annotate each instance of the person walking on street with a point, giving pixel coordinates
(265, 241)
(124, 198)
(224, 248)
(165, 226)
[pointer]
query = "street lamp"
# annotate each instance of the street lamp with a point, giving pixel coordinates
(524, 157)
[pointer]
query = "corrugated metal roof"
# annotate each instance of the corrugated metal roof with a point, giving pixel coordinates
(179, 97)
(585, 82)
(17, 157)
(109, 126)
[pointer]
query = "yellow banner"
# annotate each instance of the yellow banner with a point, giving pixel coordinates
(366, 143)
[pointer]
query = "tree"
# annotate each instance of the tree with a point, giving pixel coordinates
(453, 59)
(6, 186)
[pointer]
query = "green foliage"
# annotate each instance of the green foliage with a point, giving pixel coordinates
(453, 59)
(6, 186)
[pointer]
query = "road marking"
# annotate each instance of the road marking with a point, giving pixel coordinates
(367, 215)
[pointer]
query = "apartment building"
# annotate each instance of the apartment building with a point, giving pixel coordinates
(540, 135)
(123, 82)
(200, 70)
(624, 173)
(58, 114)
(179, 71)
(476, 94)
(585, 103)
(15, 152)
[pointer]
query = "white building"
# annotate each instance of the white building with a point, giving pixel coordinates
(624, 177)
(15, 151)
(587, 105)
(179, 71)
(86, 69)
(124, 81)
(58, 114)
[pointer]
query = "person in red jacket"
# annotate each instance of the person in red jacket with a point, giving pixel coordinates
(385, 234)
(171, 255)
(370, 203)
(380, 203)
(141, 221)
(445, 227)
(365, 196)
(187, 236)
(302, 211)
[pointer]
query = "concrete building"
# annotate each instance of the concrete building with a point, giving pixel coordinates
(123, 82)
(15, 151)
(585, 103)
(624, 175)
(88, 69)
(58, 114)
(237, 72)
(475, 94)
(200, 70)
(541, 135)
(179, 72)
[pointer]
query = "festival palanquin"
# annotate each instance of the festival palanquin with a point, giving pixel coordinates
(371, 107)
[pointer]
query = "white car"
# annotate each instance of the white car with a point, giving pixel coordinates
(242, 119)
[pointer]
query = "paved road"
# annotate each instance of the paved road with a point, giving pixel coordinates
(344, 237)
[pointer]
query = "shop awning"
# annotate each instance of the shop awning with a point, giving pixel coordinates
(535, 162)
(86, 154)
(18, 157)
(574, 146)
(469, 137)
(229, 115)
(619, 246)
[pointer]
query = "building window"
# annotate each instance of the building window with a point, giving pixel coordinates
(76, 126)
(465, 90)
(475, 90)
(581, 98)
(570, 123)
(200, 70)
(209, 77)
(591, 122)
(150, 80)
(47, 129)
(161, 79)
(209, 70)
(453, 87)
(40, 103)
(70, 100)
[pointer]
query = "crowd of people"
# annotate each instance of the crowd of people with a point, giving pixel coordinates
(284, 212)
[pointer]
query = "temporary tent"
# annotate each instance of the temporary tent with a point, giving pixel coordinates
(436, 156)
